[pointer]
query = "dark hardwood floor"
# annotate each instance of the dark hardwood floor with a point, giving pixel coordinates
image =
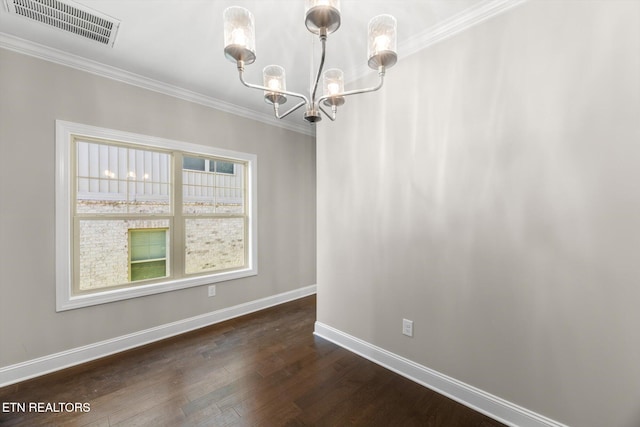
(263, 369)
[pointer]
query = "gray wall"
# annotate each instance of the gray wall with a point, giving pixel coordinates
(35, 93)
(490, 193)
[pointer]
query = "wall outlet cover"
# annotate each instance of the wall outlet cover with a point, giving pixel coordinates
(407, 327)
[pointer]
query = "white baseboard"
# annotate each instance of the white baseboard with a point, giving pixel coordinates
(481, 401)
(43, 365)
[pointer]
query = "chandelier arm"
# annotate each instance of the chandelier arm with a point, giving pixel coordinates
(323, 39)
(330, 116)
(356, 91)
(291, 110)
(283, 92)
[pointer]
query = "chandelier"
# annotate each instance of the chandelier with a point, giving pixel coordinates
(322, 17)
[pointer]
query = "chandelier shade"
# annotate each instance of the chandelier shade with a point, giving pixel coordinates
(332, 87)
(322, 17)
(273, 77)
(382, 41)
(239, 35)
(321, 14)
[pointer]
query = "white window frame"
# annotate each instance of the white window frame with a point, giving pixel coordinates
(65, 134)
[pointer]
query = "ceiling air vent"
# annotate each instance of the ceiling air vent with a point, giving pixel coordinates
(68, 16)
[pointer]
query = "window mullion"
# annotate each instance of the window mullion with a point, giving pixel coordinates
(178, 243)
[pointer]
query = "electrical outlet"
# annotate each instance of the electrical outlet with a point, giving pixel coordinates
(212, 290)
(407, 327)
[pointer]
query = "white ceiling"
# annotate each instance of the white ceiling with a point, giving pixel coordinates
(178, 44)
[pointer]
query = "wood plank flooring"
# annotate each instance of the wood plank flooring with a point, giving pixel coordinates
(263, 369)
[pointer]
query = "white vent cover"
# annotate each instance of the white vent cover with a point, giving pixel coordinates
(68, 16)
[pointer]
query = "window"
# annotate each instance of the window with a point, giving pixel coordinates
(201, 164)
(225, 167)
(137, 215)
(147, 254)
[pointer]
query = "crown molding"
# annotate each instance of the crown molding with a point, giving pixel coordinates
(448, 28)
(458, 23)
(39, 51)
